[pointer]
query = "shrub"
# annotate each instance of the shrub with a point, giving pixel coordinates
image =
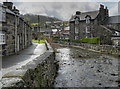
(90, 40)
(83, 40)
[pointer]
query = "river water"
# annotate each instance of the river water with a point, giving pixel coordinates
(82, 68)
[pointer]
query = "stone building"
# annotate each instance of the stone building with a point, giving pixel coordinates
(93, 24)
(15, 33)
(37, 32)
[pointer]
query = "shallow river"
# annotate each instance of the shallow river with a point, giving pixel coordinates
(81, 68)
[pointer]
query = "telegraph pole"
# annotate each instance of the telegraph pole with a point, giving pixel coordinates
(38, 23)
(38, 28)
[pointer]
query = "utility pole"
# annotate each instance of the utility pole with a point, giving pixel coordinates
(38, 23)
(38, 28)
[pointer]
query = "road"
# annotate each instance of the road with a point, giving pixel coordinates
(14, 62)
(82, 68)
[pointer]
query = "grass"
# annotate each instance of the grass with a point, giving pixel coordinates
(37, 41)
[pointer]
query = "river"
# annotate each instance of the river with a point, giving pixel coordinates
(82, 68)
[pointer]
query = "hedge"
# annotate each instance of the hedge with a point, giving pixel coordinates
(83, 40)
(90, 40)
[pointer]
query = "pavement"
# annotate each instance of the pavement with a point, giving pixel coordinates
(14, 62)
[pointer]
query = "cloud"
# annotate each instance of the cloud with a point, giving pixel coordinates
(61, 10)
(114, 10)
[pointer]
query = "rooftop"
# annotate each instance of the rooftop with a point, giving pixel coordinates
(82, 16)
(114, 19)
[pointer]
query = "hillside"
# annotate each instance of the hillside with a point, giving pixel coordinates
(42, 19)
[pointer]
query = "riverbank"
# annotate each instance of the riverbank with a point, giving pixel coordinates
(104, 49)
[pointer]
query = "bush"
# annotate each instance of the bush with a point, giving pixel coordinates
(90, 40)
(83, 40)
(37, 41)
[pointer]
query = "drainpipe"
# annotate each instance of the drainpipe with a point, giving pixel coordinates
(15, 34)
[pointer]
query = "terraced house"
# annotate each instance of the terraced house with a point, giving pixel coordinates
(15, 33)
(96, 24)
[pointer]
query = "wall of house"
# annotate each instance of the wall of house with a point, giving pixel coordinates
(92, 29)
(72, 32)
(8, 28)
(17, 33)
(114, 26)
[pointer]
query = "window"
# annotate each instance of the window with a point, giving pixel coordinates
(117, 33)
(2, 14)
(87, 29)
(76, 37)
(87, 19)
(76, 30)
(77, 20)
(2, 38)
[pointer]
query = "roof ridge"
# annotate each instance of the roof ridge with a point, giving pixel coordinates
(90, 11)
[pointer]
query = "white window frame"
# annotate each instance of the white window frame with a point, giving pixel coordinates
(76, 30)
(2, 38)
(117, 33)
(76, 37)
(87, 29)
(87, 19)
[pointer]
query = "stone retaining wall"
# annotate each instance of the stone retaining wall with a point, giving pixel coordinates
(38, 73)
(109, 49)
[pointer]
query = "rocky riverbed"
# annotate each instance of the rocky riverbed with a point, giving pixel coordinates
(82, 68)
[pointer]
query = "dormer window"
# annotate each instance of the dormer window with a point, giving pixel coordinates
(77, 20)
(117, 33)
(87, 18)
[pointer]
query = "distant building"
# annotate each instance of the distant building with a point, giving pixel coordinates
(47, 32)
(94, 24)
(64, 34)
(15, 33)
(114, 25)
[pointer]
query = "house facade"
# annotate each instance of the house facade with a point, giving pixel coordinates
(92, 24)
(15, 33)
(36, 32)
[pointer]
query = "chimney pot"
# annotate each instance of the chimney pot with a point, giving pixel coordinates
(78, 12)
(8, 4)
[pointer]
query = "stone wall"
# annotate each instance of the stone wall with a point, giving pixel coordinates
(109, 49)
(17, 33)
(38, 73)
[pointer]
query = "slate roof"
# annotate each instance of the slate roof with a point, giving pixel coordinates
(82, 16)
(10, 12)
(46, 30)
(114, 19)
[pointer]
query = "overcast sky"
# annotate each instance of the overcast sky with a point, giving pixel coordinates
(63, 9)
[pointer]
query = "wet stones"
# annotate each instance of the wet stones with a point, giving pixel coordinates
(92, 66)
(118, 80)
(99, 84)
(114, 74)
(80, 56)
(98, 71)
(87, 66)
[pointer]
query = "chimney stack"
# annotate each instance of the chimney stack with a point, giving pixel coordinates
(8, 4)
(78, 12)
(16, 11)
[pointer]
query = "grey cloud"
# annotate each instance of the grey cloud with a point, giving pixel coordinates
(61, 10)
